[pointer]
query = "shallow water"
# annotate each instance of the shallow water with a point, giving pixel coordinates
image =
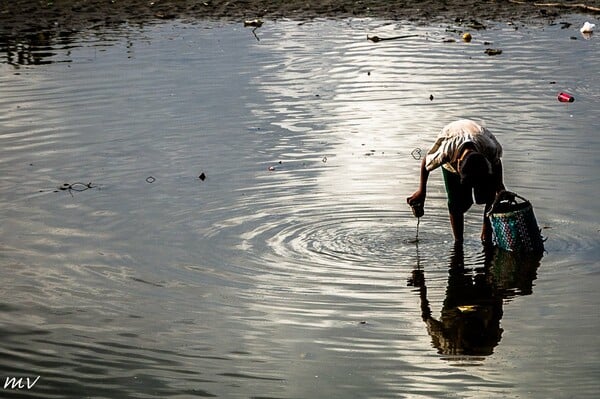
(291, 271)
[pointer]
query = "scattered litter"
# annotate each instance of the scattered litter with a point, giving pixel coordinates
(416, 153)
(587, 28)
(565, 97)
(467, 308)
(271, 168)
(493, 51)
(431, 97)
(467, 37)
(324, 159)
(150, 179)
(376, 39)
(202, 176)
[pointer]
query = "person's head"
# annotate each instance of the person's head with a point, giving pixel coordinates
(476, 171)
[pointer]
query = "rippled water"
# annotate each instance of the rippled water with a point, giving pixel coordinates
(291, 271)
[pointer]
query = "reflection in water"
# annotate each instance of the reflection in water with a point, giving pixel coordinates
(32, 49)
(470, 318)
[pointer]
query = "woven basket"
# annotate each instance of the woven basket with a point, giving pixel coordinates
(514, 225)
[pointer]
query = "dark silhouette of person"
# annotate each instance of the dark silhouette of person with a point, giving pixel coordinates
(470, 158)
(469, 324)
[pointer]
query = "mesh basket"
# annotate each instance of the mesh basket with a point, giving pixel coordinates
(514, 225)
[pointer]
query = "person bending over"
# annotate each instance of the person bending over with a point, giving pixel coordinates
(470, 157)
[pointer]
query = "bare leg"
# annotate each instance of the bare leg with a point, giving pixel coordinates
(457, 221)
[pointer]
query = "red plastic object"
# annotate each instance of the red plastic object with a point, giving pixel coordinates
(565, 97)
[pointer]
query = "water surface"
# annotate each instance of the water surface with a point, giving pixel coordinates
(291, 271)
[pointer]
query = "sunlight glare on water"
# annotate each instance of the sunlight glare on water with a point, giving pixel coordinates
(292, 270)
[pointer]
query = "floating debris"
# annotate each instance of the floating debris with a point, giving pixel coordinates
(587, 28)
(376, 39)
(77, 186)
(202, 176)
(416, 153)
(467, 37)
(255, 23)
(493, 51)
(431, 97)
(565, 97)
(150, 179)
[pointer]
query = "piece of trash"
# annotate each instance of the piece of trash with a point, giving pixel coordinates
(416, 154)
(271, 168)
(202, 176)
(376, 39)
(565, 25)
(150, 179)
(431, 97)
(587, 28)
(467, 308)
(493, 51)
(474, 24)
(256, 23)
(467, 37)
(324, 160)
(76, 186)
(565, 97)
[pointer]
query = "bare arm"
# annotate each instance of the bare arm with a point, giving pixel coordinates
(419, 195)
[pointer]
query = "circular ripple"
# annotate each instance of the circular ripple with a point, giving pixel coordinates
(341, 241)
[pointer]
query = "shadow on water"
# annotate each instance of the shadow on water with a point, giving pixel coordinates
(469, 324)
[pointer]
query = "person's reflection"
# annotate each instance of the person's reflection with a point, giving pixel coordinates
(471, 312)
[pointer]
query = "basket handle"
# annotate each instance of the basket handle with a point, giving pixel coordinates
(505, 195)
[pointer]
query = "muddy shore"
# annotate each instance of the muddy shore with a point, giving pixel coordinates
(19, 17)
